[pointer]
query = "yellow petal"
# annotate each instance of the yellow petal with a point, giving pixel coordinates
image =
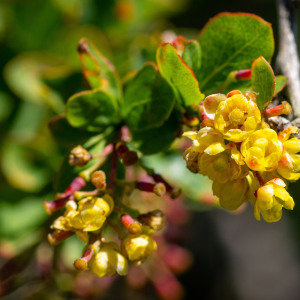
(265, 197)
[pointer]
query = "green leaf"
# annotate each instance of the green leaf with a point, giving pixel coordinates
(98, 70)
(179, 75)
(280, 83)
(192, 56)
(66, 135)
(262, 81)
(148, 99)
(190, 52)
(91, 109)
(158, 139)
(229, 42)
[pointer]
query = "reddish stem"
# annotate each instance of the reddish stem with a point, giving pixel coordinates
(58, 236)
(145, 186)
(113, 170)
(77, 184)
(54, 205)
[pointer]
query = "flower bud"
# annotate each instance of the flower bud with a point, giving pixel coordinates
(79, 157)
(98, 179)
(108, 261)
(154, 219)
(271, 198)
(138, 247)
(159, 189)
(82, 263)
(132, 226)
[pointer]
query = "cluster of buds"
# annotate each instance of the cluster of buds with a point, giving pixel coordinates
(246, 159)
(86, 213)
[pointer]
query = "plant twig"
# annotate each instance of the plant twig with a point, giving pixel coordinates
(288, 59)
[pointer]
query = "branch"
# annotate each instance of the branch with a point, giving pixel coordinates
(287, 59)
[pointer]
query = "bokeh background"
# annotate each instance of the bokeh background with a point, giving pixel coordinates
(223, 255)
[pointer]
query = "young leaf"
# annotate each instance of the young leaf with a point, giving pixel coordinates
(148, 99)
(98, 70)
(179, 75)
(262, 81)
(229, 42)
(93, 109)
(158, 139)
(190, 52)
(192, 56)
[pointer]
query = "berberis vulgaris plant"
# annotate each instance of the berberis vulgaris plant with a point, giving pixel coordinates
(218, 91)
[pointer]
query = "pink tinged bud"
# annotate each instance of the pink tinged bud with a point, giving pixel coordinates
(283, 109)
(234, 92)
(77, 184)
(132, 226)
(82, 263)
(58, 236)
(243, 75)
(52, 206)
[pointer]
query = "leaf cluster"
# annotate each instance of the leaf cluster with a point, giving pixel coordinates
(152, 100)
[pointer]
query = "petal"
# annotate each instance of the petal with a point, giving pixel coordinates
(292, 146)
(190, 134)
(250, 124)
(215, 148)
(211, 104)
(265, 197)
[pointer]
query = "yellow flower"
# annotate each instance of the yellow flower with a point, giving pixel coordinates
(232, 193)
(206, 140)
(262, 150)
(89, 215)
(225, 166)
(271, 198)
(108, 261)
(237, 117)
(289, 164)
(137, 247)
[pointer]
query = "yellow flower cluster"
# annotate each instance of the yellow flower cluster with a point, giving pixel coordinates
(246, 159)
(103, 258)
